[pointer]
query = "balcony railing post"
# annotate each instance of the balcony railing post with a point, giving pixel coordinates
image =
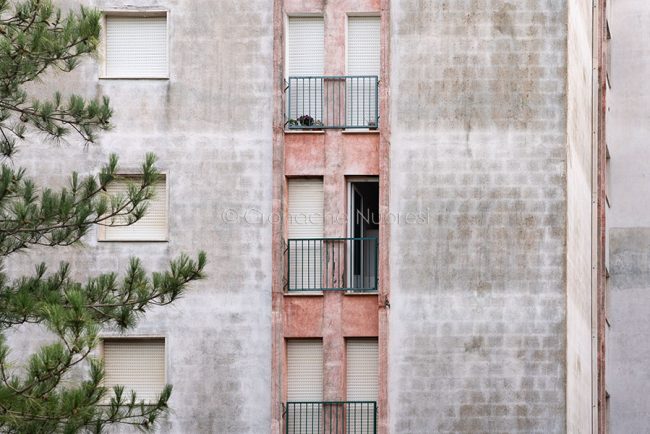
(376, 241)
(375, 424)
(377, 102)
(288, 117)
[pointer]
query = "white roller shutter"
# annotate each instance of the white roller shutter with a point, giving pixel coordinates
(136, 364)
(362, 383)
(304, 385)
(304, 370)
(305, 222)
(305, 208)
(363, 59)
(363, 45)
(136, 47)
(305, 46)
(305, 52)
(151, 227)
(362, 369)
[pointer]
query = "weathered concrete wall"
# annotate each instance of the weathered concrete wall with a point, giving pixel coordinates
(210, 125)
(477, 321)
(579, 210)
(628, 350)
(628, 307)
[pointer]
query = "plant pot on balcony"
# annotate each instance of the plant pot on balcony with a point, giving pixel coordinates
(305, 122)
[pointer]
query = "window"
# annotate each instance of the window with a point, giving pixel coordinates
(363, 61)
(363, 200)
(363, 369)
(363, 45)
(362, 382)
(151, 227)
(304, 386)
(136, 364)
(136, 46)
(305, 208)
(305, 230)
(305, 53)
(305, 46)
(305, 370)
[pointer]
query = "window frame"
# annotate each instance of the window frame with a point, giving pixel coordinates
(145, 13)
(287, 341)
(373, 14)
(132, 338)
(101, 229)
(287, 18)
(347, 40)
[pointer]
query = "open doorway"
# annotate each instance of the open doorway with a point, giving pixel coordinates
(364, 232)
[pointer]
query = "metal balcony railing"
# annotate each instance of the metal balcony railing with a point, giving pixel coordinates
(335, 417)
(345, 101)
(323, 264)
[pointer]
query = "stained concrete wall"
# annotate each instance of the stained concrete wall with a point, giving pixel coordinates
(210, 125)
(628, 307)
(478, 296)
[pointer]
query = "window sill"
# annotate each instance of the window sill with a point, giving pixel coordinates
(360, 132)
(356, 293)
(304, 132)
(133, 241)
(135, 78)
(303, 293)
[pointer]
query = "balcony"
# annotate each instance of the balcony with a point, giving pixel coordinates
(334, 102)
(335, 417)
(332, 264)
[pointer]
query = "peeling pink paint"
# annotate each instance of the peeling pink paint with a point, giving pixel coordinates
(305, 154)
(303, 316)
(359, 316)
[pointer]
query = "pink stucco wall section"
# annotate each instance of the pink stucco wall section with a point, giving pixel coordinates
(335, 156)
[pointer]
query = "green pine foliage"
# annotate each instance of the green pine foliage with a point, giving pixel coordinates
(38, 397)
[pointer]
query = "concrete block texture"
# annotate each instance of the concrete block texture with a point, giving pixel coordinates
(478, 144)
(210, 125)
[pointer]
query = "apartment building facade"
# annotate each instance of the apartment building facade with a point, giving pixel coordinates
(402, 204)
(191, 82)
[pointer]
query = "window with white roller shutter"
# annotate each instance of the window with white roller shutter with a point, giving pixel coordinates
(363, 45)
(304, 370)
(363, 59)
(304, 385)
(305, 46)
(305, 58)
(362, 381)
(153, 226)
(136, 46)
(305, 198)
(136, 364)
(362, 369)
